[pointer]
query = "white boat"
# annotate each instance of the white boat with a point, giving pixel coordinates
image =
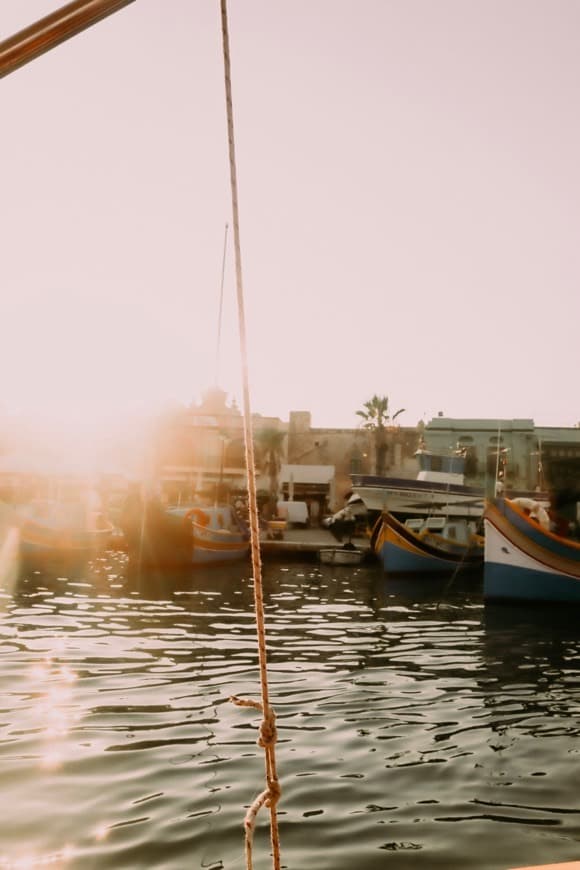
(438, 490)
(341, 556)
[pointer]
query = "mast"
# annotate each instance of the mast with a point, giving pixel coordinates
(50, 31)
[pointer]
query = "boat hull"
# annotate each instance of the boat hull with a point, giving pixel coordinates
(415, 498)
(340, 556)
(524, 562)
(211, 547)
(185, 536)
(425, 498)
(39, 542)
(62, 531)
(402, 551)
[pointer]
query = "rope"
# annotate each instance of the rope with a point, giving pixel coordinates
(219, 331)
(271, 795)
(267, 739)
(456, 571)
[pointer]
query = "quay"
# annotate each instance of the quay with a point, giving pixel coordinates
(296, 543)
(305, 543)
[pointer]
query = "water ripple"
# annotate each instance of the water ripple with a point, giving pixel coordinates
(440, 718)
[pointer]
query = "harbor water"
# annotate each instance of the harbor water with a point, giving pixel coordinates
(417, 728)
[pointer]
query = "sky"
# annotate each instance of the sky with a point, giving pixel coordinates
(409, 190)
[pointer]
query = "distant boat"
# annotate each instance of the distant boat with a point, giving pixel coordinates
(184, 535)
(61, 529)
(524, 559)
(427, 544)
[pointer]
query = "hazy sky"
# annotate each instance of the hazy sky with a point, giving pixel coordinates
(409, 182)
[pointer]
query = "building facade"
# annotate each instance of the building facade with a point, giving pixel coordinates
(529, 457)
(199, 451)
(349, 451)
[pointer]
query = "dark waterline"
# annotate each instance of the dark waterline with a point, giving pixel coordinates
(417, 728)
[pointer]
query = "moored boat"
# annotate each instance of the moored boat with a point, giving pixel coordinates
(64, 530)
(438, 490)
(341, 556)
(183, 535)
(525, 559)
(431, 545)
(217, 536)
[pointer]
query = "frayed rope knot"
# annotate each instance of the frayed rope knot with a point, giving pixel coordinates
(268, 731)
(245, 702)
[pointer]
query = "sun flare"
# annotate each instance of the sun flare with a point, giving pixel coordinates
(87, 377)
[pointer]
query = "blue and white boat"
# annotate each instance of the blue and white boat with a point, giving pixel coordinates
(183, 535)
(524, 559)
(215, 534)
(427, 545)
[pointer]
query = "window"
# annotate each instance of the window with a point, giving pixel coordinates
(355, 465)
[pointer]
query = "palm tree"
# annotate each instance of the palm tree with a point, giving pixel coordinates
(376, 417)
(271, 444)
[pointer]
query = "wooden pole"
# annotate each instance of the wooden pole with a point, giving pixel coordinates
(50, 31)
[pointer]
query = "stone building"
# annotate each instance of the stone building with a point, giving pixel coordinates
(200, 448)
(530, 457)
(350, 451)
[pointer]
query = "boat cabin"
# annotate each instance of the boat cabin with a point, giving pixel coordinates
(438, 468)
(451, 528)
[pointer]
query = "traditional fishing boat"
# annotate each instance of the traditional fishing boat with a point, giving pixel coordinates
(217, 534)
(525, 558)
(62, 530)
(427, 544)
(183, 535)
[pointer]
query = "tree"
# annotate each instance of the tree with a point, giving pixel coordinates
(376, 418)
(271, 444)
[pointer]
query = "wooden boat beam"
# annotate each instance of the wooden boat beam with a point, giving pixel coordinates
(50, 31)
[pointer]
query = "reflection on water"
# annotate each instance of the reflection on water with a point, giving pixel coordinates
(416, 727)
